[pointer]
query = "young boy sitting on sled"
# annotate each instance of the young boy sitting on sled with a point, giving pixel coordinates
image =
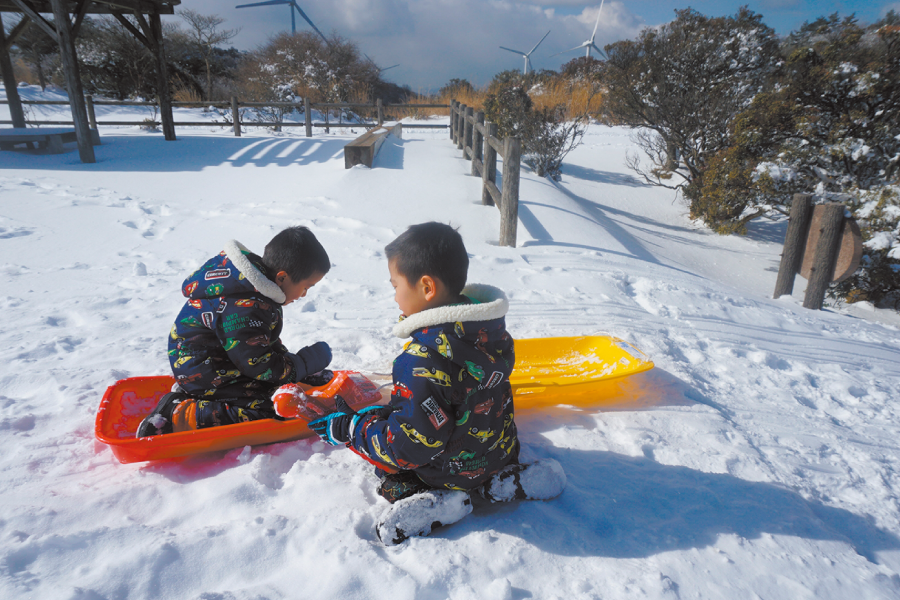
(449, 428)
(224, 347)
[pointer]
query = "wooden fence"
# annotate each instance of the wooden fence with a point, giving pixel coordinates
(478, 140)
(235, 105)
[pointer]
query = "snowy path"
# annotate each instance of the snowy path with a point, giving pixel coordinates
(764, 468)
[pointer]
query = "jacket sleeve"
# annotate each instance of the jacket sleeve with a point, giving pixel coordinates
(417, 430)
(245, 330)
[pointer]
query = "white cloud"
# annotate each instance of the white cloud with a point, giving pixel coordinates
(436, 40)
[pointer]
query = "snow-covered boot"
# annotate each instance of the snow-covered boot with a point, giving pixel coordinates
(419, 515)
(541, 480)
(159, 421)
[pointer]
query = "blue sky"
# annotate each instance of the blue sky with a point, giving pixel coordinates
(436, 40)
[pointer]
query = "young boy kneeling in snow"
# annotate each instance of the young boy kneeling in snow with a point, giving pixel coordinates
(449, 427)
(224, 347)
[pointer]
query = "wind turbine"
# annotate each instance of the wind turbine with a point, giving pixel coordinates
(526, 55)
(380, 70)
(590, 43)
(294, 6)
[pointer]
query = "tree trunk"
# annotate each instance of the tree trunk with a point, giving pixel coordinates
(36, 57)
(208, 82)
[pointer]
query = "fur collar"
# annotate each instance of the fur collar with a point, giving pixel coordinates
(234, 251)
(494, 305)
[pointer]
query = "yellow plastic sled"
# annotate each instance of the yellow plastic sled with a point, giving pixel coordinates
(579, 371)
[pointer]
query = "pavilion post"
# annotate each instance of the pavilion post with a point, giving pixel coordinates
(10, 83)
(73, 80)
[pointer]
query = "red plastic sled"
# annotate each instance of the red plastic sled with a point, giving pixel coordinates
(128, 401)
(576, 371)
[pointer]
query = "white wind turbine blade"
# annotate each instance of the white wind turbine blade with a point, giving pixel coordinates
(519, 52)
(578, 47)
(598, 21)
(539, 43)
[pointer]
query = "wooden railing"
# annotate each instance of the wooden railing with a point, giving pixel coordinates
(479, 143)
(235, 105)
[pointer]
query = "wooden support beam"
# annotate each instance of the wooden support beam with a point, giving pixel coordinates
(73, 80)
(134, 30)
(162, 77)
(17, 30)
(9, 82)
(40, 21)
(80, 11)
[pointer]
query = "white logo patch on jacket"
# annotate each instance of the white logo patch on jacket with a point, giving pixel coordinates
(435, 414)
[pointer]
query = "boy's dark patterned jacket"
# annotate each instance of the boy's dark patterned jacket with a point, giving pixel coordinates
(452, 420)
(225, 341)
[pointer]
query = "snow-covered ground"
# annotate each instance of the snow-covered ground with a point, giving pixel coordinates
(761, 463)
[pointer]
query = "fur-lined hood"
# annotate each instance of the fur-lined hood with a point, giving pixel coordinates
(234, 270)
(493, 304)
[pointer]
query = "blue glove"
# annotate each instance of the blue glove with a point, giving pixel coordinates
(312, 359)
(338, 427)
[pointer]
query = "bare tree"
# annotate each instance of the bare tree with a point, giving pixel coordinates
(204, 31)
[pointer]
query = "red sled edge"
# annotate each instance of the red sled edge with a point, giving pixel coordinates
(128, 401)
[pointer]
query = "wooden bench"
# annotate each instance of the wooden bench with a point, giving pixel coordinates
(363, 149)
(51, 138)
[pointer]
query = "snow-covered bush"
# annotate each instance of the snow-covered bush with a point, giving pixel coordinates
(829, 126)
(681, 84)
(548, 133)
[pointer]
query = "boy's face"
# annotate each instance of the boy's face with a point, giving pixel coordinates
(410, 297)
(294, 290)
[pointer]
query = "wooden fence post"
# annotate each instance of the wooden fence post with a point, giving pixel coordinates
(92, 116)
(477, 145)
(489, 172)
(509, 203)
(794, 244)
(307, 113)
(379, 107)
(827, 250)
(461, 126)
(235, 117)
(452, 121)
(467, 142)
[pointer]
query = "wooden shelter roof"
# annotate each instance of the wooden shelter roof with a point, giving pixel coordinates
(97, 7)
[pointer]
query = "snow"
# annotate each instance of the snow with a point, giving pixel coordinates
(760, 461)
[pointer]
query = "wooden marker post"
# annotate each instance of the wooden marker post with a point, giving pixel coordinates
(794, 244)
(826, 255)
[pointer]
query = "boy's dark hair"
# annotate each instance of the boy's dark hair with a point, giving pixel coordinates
(297, 252)
(433, 249)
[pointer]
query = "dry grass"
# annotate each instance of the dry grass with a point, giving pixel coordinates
(23, 72)
(474, 98)
(181, 92)
(579, 98)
